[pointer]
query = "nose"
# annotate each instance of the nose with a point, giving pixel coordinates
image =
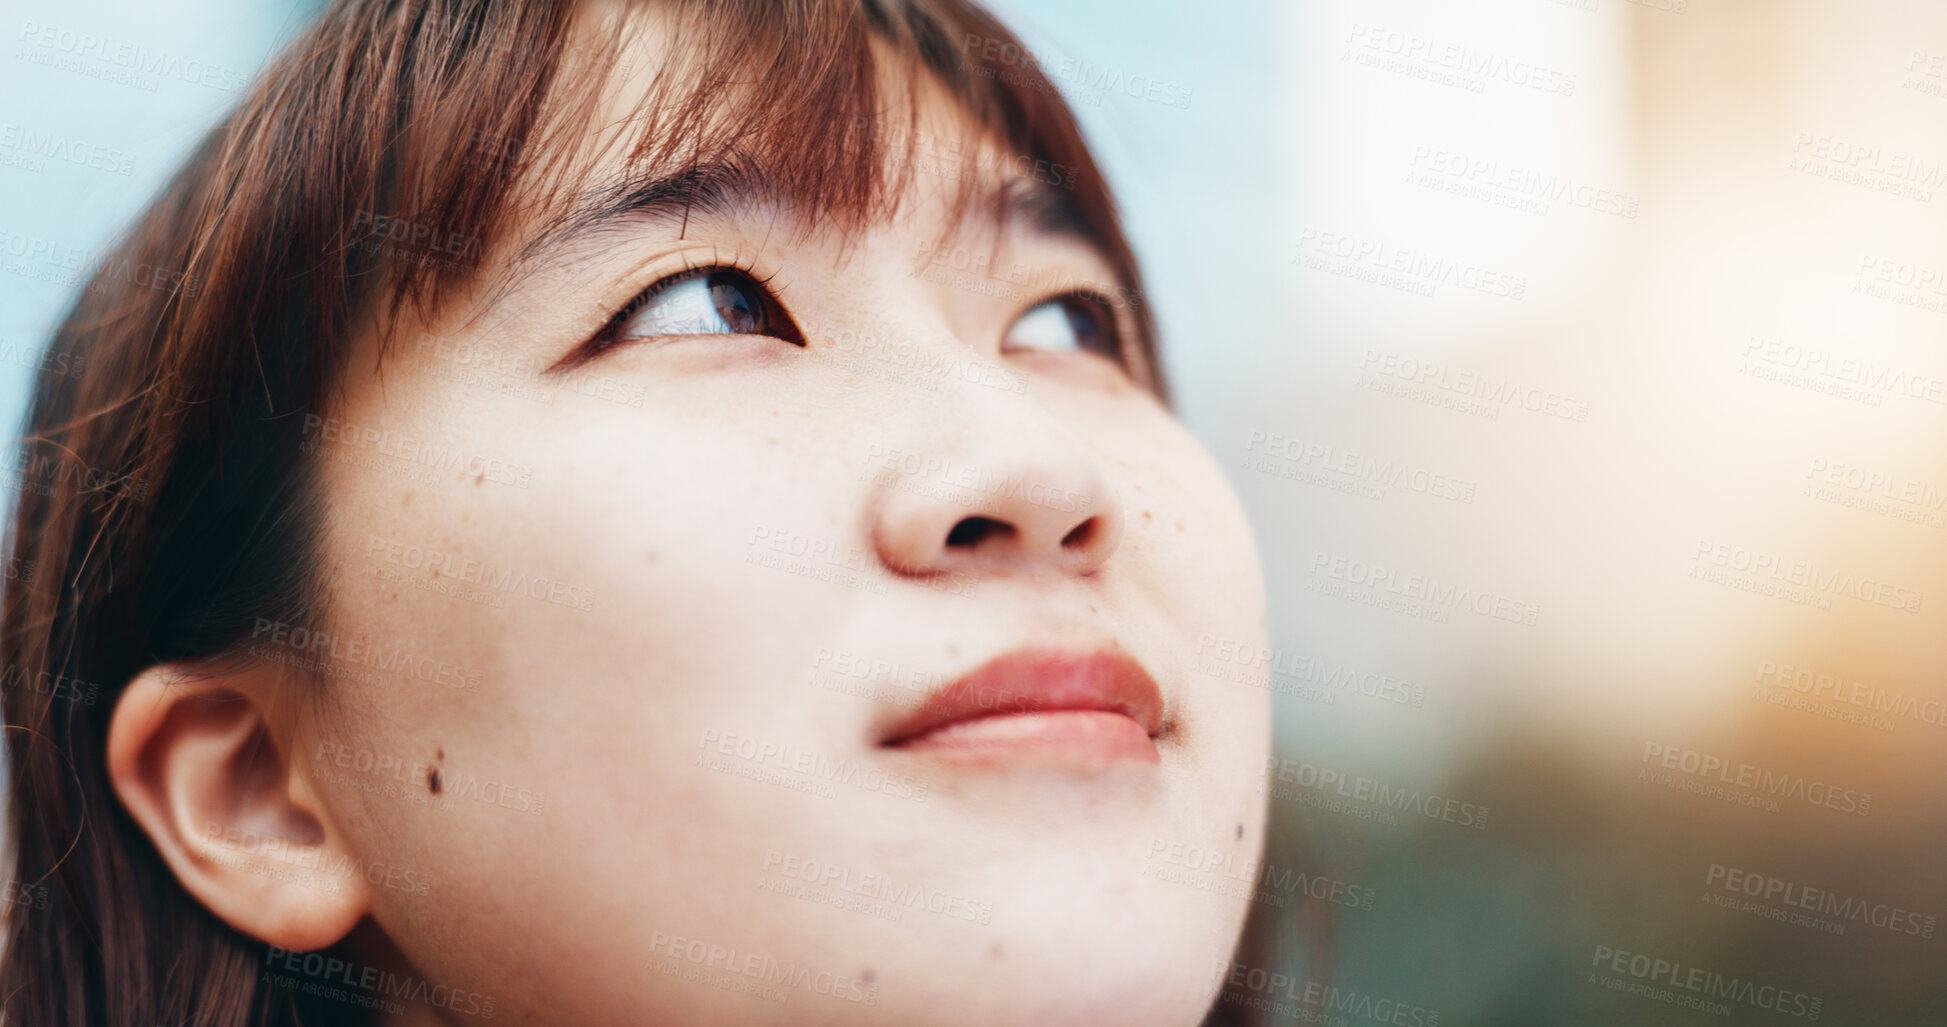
(1014, 492)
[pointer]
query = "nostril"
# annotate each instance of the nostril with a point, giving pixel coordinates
(1078, 537)
(972, 531)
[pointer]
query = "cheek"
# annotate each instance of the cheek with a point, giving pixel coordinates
(636, 623)
(618, 609)
(616, 628)
(1187, 534)
(1191, 539)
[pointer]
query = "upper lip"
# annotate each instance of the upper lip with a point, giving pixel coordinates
(1039, 681)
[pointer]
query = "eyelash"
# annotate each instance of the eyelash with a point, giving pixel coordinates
(1106, 312)
(604, 337)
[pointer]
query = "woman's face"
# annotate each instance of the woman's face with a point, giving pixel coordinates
(675, 611)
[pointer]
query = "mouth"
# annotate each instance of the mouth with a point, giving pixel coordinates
(1039, 705)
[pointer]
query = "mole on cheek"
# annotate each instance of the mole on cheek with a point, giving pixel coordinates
(433, 783)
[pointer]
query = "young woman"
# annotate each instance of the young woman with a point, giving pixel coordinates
(652, 513)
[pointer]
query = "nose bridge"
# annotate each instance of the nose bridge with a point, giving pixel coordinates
(987, 479)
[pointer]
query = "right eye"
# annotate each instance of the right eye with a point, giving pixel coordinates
(701, 301)
(1076, 321)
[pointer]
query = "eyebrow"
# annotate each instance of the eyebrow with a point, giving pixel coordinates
(710, 190)
(721, 189)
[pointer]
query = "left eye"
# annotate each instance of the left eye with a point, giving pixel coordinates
(706, 301)
(1077, 321)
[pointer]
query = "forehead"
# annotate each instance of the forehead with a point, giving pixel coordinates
(654, 118)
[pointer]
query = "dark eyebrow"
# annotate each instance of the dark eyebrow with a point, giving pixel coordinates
(1047, 209)
(715, 189)
(721, 189)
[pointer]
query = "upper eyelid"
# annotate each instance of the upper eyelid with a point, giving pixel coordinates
(648, 292)
(585, 349)
(1086, 286)
(675, 278)
(1124, 335)
(689, 273)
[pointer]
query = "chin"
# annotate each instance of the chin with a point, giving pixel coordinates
(1128, 957)
(1119, 984)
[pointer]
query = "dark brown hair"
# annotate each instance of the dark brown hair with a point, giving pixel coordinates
(173, 504)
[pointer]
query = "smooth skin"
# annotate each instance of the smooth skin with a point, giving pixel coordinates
(647, 785)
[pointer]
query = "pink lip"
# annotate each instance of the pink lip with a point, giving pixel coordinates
(1040, 703)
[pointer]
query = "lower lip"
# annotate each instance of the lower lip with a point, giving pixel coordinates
(1079, 736)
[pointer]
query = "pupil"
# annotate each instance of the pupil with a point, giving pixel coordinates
(1082, 320)
(734, 303)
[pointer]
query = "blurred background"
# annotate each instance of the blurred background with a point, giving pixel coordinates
(1583, 367)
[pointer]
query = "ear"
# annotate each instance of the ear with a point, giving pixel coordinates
(200, 764)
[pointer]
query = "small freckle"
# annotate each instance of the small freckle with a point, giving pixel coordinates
(405, 500)
(439, 753)
(866, 976)
(1240, 830)
(1179, 525)
(1147, 516)
(478, 478)
(436, 572)
(994, 950)
(432, 781)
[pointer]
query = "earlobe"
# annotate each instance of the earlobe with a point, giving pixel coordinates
(200, 765)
